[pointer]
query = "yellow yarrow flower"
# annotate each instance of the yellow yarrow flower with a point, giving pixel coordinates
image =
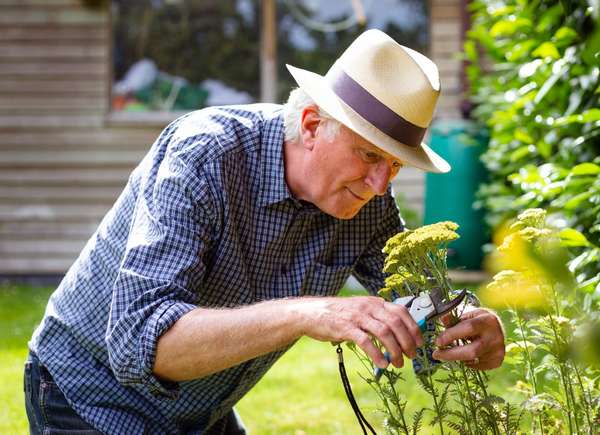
(517, 290)
(532, 217)
(408, 252)
(421, 240)
(395, 241)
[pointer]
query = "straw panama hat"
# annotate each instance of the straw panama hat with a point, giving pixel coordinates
(384, 92)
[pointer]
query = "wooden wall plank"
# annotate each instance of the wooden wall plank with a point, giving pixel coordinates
(93, 69)
(14, 87)
(53, 51)
(41, 3)
(53, 213)
(34, 266)
(120, 146)
(66, 177)
(83, 158)
(32, 122)
(450, 46)
(43, 33)
(37, 248)
(27, 104)
(90, 138)
(445, 12)
(49, 230)
(60, 194)
(23, 16)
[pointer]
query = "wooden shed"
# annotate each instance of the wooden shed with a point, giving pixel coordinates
(64, 156)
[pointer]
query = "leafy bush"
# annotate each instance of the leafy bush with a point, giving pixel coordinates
(535, 76)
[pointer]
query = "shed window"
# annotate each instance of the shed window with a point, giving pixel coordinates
(181, 55)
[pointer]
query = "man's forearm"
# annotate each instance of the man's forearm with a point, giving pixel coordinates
(205, 341)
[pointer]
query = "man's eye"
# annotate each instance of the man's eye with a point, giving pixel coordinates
(371, 157)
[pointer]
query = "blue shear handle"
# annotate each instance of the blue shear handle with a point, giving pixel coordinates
(422, 325)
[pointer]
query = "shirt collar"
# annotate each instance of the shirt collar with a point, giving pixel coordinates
(273, 187)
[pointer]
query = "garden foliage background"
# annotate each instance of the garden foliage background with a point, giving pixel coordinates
(535, 77)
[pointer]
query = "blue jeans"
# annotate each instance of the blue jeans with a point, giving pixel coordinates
(49, 413)
(47, 409)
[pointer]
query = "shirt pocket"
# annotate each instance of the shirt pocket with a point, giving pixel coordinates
(322, 280)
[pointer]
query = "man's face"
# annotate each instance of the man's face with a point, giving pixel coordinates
(345, 172)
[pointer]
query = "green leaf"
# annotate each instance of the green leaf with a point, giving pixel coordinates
(544, 149)
(570, 237)
(548, 85)
(586, 169)
(549, 19)
(520, 50)
(522, 135)
(509, 27)
(546, 49)
(519, 153)
(589, 286)
(575, 202)
(565, 36)
(585, 258)
(590, 115)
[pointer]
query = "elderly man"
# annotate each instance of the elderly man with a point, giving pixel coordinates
(227, 245)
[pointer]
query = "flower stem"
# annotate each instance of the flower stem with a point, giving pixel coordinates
(586, 400)
(435, 403)
(564, 379)
(469, 398)
(529, 364)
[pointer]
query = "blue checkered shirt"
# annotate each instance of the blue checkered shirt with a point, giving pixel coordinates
(206, 219)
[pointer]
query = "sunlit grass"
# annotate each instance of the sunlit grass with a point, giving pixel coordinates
(21, 308)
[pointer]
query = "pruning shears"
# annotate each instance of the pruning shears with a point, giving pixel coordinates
(424, 309)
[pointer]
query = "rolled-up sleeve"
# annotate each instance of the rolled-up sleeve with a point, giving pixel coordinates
(161, 272)
(368, 269)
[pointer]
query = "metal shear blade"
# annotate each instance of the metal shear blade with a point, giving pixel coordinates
(442, 306)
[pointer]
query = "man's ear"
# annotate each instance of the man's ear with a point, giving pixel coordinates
(308, 126)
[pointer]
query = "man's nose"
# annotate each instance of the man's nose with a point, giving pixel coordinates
(378, 177)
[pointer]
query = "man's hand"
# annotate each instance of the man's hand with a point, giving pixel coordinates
(485, 350)
(360, 319)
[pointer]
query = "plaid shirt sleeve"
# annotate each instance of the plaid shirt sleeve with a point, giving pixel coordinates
(368, 269)
(162, 267)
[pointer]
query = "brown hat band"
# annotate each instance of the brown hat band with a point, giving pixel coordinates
(373, 110)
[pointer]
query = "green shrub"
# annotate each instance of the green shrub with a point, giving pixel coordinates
(535, 77)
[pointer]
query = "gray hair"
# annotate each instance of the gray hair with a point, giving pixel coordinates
(292, 115)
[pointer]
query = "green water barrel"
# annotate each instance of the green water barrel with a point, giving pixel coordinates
(450, 196)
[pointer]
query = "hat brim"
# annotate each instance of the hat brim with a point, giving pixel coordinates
(315, 85)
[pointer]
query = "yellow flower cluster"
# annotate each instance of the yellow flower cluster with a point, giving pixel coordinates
(515, 241)
(423, 240)
(512, 289)
(532, 217)
(406, 251)
(524, 281)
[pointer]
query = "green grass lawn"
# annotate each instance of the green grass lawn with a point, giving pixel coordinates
(301, 394)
